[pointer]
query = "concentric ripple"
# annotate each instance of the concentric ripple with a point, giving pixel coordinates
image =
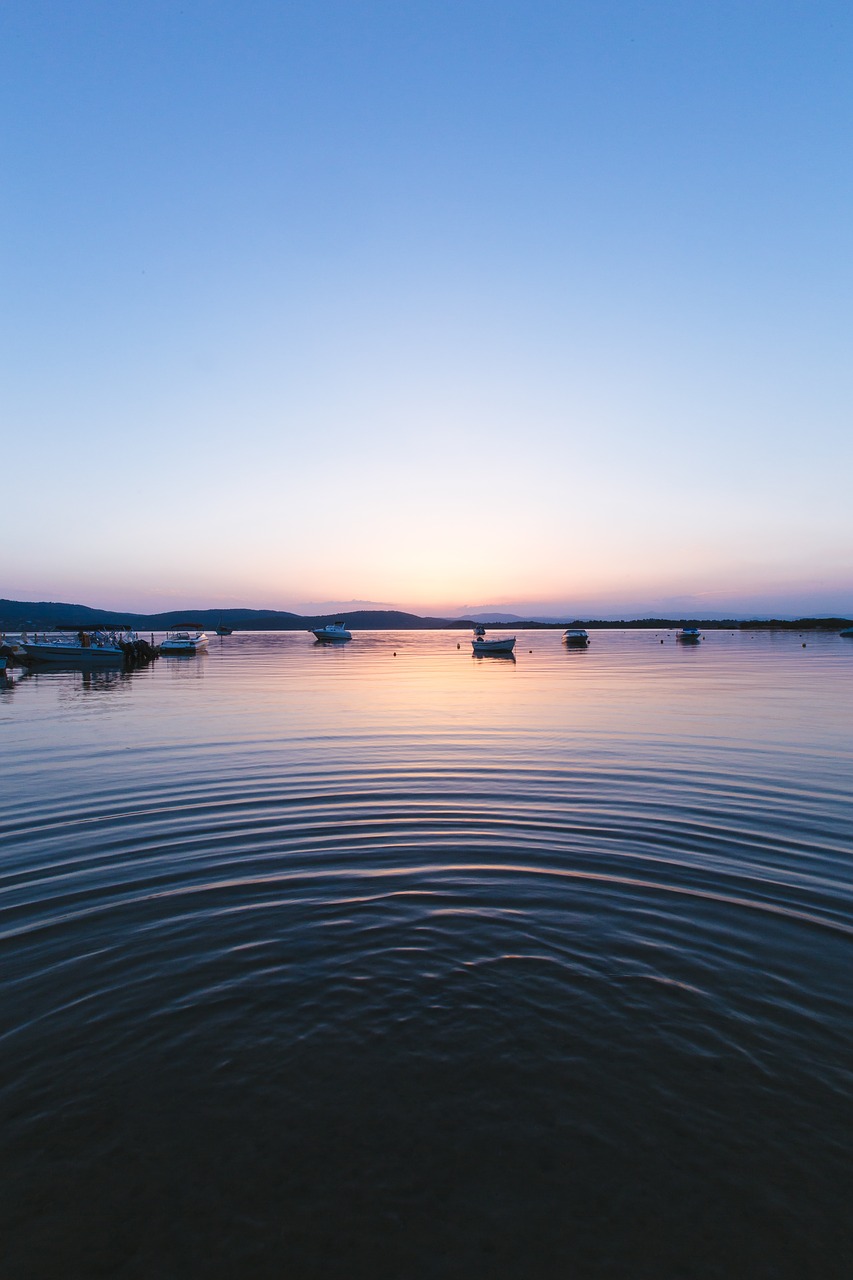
(497, 966)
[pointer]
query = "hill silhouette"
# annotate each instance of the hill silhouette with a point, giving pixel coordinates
(23, 615)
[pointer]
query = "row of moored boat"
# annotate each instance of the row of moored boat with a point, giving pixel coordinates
(100, 646)
(122, 645)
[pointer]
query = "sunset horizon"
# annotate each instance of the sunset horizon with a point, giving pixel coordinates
(528, 307)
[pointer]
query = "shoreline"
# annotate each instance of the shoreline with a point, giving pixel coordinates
(22, 615)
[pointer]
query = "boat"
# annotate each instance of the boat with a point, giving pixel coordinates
(576, 638)
(689, 635)
(223, 630)
(332, 633)
(11, 652)
(81, 646)
(500, 644)
(187, 638)
(848, 631)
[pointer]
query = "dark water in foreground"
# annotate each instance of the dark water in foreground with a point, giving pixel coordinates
(325, 962)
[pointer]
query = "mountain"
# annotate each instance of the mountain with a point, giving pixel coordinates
(494, 617)
(22, 615)
(29, 615)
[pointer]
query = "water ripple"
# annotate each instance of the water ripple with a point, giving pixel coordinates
(574, 908)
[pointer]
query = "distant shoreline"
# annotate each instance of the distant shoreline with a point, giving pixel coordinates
(21, 615)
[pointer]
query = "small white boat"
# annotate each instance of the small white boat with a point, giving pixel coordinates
(187, 639)
(79, 646)
(689, 635)
(500, 644)
(331, 633)
(576, 637)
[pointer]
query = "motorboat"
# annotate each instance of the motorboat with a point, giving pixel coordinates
(189, 638)
(689, 635)
(76, 646)
(498, 644)
(332, 633)
(848, 631)
(576, 638)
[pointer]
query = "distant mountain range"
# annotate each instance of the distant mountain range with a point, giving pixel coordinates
(23, 615)
(17, 615)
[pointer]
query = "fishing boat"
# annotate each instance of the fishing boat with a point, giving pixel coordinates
(689, 635)
(498, 644)
(187, 638)
(576, 638)
(80, 646)
(332, 633)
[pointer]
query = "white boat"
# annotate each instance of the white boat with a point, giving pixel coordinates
(187, 639)
(500, 644)
(79, 646)
(576, 637)
(331, 633)
(689, 635)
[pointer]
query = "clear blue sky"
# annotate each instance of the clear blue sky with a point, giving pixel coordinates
(545, 305)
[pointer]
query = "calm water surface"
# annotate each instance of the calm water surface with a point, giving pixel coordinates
(386, 961)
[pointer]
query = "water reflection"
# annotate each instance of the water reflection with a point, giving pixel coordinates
(104, 682)
(184, 666)
(71, 681)
(501, 976)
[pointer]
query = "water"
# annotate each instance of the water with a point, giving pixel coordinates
(382, 960)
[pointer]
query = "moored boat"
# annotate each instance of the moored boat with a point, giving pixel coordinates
(84, 646)
(499, 644)
(11, 651)
(576, 637)
(689, 635)
(332, 633)
(223, 630)
(188, 638)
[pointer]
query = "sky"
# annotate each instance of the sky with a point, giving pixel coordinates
(446, 305)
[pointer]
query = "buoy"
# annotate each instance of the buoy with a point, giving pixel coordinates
(459, 646)
(804, 644)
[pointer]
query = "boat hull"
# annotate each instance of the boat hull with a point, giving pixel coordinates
(493, 646)
(184, 640)
(329, 637)
(74, 654)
